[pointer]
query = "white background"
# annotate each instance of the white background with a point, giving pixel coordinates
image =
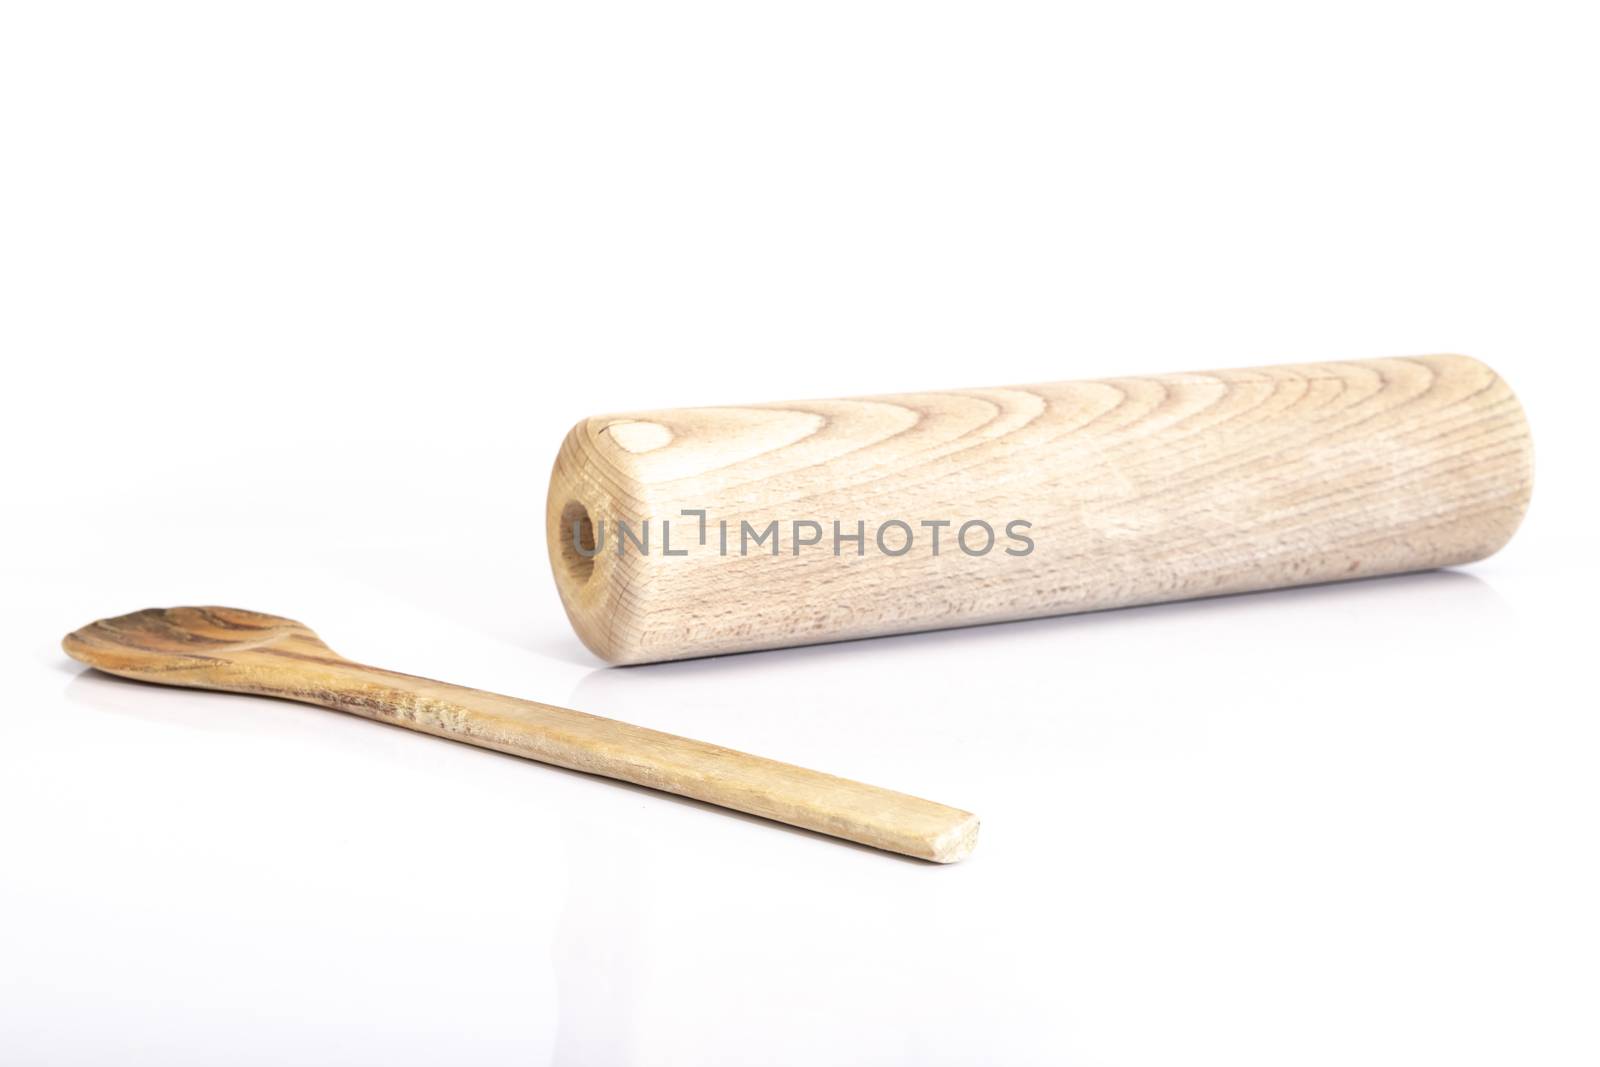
(297, 301)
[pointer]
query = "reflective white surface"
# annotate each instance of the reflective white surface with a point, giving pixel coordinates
(298, 303)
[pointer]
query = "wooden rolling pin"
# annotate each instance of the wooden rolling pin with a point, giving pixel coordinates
(730, 529)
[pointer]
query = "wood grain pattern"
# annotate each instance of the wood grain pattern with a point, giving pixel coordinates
(1138, 490)
(248, 652)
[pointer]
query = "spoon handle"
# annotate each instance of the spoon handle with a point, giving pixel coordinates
(839, 807)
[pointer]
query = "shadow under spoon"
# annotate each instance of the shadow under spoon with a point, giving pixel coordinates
(241, 651)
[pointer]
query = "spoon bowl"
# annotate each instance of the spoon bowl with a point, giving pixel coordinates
(158, 643)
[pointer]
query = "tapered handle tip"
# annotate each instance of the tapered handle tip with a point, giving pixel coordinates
(957, 842)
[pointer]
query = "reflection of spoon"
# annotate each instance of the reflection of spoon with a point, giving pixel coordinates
(247, 652)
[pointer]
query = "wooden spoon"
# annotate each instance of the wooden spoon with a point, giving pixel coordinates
(248, 652)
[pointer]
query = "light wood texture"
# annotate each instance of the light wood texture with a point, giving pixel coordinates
(1138, 490)
(247, 652)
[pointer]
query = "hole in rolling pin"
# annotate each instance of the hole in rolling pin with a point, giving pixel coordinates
(577, 532)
